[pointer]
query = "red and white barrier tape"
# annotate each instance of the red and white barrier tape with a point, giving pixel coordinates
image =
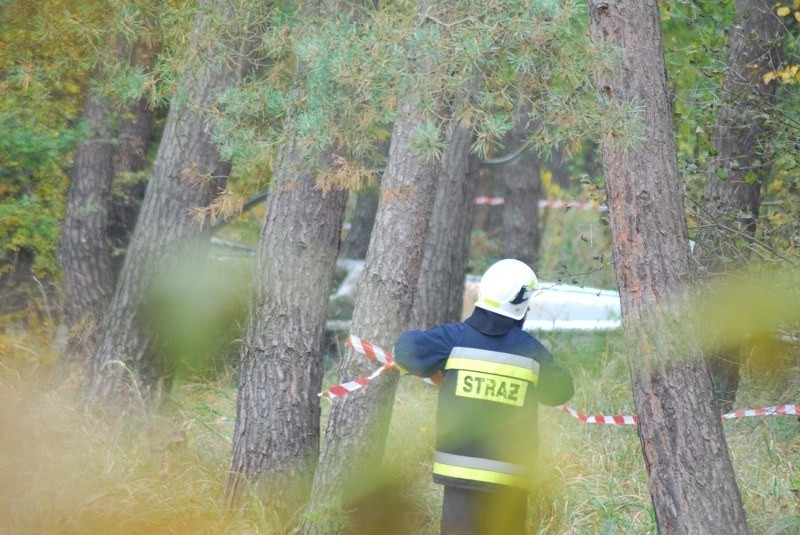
(766, 411)
(633, 420)
(600, 419)
(377, 354)
(545, 203)
(372, 352)
(346, 388)
(491, 201)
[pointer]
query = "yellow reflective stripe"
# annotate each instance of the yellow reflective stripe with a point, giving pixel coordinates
(508, 370)
(476, 474)
(490, 302)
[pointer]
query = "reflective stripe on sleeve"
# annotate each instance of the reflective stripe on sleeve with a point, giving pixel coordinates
(484, 360)
(477, 469)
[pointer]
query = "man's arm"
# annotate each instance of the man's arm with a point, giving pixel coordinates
(424, 353)
(555, 383)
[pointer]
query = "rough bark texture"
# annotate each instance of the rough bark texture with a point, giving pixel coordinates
(690, 475)
(732, 205)
(95, 228)
(276, 440)
(188, 173)
(356, 434)
(356, 241)
(84, 249)
(440, 290)
(523, 188)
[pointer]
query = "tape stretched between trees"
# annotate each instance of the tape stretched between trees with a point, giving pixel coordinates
(375, 353)
(386, 360)
(545, 203)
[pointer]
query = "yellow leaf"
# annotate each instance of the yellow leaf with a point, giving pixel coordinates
(783, 11)
(797, 16)
(768, 77)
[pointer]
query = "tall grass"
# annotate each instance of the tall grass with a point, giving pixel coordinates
(63, 471)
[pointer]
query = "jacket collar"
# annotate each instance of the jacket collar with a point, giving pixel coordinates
(492, 324)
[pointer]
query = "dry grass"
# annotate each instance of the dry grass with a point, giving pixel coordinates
(63, 471)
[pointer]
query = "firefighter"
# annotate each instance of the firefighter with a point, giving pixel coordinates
(495, 375)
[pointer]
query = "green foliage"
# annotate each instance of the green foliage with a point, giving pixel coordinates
(32, 190)
(49, 55)
(336, 82)
(197, 311)
(696, 48)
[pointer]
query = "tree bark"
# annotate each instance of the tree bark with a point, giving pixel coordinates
(187, 174)
(130, 159)
(440, 291)
(690, 475)
(738, 137)
(276, 440)
(356, 241)
(94, 226)
(523, 189)
(358, 425)
(84, 249)
(356, 433)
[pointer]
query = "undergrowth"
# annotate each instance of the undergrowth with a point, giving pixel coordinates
(64, 471)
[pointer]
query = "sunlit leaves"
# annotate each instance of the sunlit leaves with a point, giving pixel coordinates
(787, 75)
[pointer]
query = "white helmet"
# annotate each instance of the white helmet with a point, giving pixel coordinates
(506, 288)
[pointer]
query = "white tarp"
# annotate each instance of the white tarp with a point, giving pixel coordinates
(559, 307)
(554, 306)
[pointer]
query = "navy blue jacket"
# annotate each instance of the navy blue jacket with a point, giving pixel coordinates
(495, 376)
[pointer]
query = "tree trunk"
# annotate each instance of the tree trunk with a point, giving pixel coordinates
(440, 291)
(690, 475)
(523, 189)
(276, 440)
(739, 133)
(356, 241)
(84, 249)
(489, 219)
(358, 425)
(187, 174)
(94, 227)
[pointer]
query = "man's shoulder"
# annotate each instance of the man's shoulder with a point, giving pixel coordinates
(529, 341)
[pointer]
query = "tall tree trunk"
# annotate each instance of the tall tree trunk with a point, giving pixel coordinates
(690, 475)
(440, 291)
(84, 249)
(739, 133)
(523, 189)
(358, 424)
(489, 218)
(276, 439)
(187, 174)
(94, 228)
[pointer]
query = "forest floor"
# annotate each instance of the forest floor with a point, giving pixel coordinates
(64, 472)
